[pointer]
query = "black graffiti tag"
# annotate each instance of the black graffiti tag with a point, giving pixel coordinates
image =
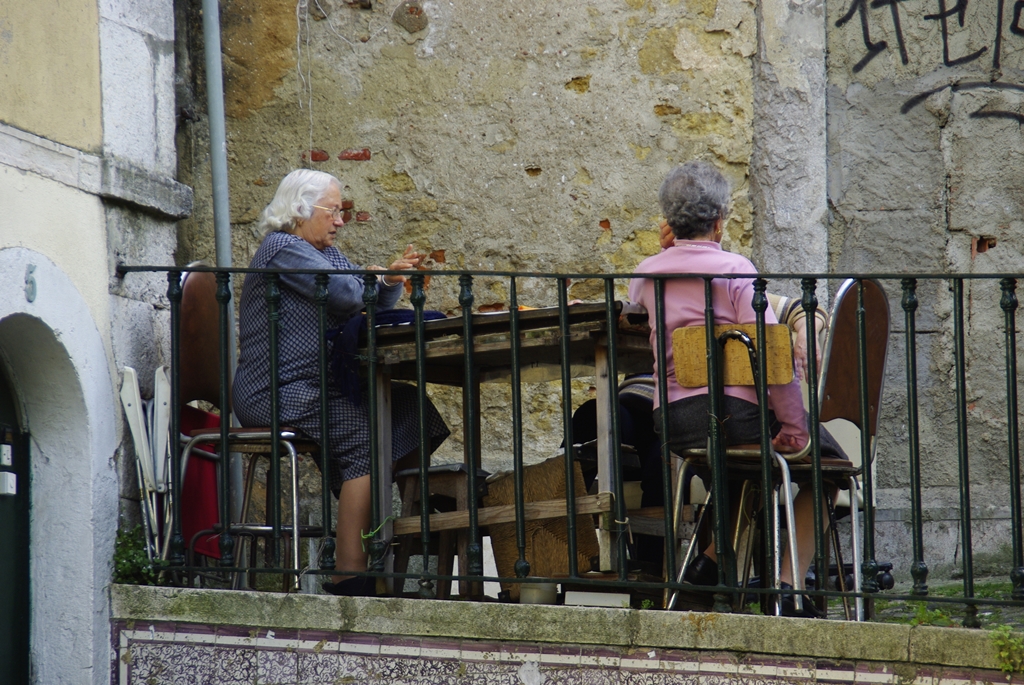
(861, 7)
(895, 11)
(982, 113)
(959, 9)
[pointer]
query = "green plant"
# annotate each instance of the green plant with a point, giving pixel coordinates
(1009, 649)
(923, 616)
(131, 565)
(647, 604)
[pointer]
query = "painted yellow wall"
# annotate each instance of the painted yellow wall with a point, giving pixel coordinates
(66, 225)
(50, 70)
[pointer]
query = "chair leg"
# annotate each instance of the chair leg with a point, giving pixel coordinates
(244, 542)
(794, 553)
(748, 500)
(746, 510)
(445, 556)
(296, 564)
(689, 552)
(776, 605)
(855, 547)
(840, 565)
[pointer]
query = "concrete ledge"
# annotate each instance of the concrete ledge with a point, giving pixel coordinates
(831, 640)
(107, 177)
(126, 183)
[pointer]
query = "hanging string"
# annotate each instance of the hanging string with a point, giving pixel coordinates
(330, 24)
(305, 80)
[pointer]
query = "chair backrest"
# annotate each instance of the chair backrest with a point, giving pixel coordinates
(839, 387)
(689, 351)
(199, 341)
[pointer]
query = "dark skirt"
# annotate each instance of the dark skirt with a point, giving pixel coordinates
(741, 423)
(349, 426)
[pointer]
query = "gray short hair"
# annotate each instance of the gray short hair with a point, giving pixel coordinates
(294, 199)
(693, 197)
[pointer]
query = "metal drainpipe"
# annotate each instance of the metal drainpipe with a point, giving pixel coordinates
(221, 213)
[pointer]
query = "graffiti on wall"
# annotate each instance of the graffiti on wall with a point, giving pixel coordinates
(950, 18)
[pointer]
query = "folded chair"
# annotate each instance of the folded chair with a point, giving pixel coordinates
(199, 379)
(839, 397)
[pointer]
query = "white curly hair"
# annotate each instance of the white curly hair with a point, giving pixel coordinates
(294, 199)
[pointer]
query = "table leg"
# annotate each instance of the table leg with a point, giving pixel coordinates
(471, 451)
(605, 452)
(384, 459)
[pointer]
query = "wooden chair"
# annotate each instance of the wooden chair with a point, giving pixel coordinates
(838, 396)
(199, 379)
(447, 482)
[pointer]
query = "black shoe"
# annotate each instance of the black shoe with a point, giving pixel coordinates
(353, 587)
(788, 606)
(701, 571)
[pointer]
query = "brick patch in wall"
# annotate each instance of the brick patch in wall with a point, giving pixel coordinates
(355, 155)
(315, 155)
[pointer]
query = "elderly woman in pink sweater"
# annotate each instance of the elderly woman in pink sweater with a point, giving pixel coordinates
(694, 199)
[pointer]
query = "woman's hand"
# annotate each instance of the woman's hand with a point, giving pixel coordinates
(800, 346)
(790, 442)
(666, 237)
(410, 259)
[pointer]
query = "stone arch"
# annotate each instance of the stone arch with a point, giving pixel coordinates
(58, 365)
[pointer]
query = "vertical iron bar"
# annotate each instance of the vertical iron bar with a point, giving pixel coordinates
(959, 363)
(716, 457)
(661, 362)
(760, 304)
(570, 449)
(474, 550)
(418, 298)
(810, 305)
(176, 547)
(612, 326)
(327, 550)
(919, 569)
(1009, 306)
(378, 545)
(226, 541)
(869, 565)
(522, 566)
(273, 296)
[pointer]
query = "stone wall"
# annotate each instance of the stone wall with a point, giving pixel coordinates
(506, 136)
(925, 175)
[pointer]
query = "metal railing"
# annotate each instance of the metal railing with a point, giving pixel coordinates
(947, 321)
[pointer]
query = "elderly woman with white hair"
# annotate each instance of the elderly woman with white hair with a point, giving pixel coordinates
(301, 224)
(694, 200)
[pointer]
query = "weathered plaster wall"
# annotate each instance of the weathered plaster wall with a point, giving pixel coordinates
(53, 92)
(788, 161)
(525, 136)
(87, 161)
(925, 153)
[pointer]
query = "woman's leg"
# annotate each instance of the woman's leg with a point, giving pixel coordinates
(353, 520)
(803, 514)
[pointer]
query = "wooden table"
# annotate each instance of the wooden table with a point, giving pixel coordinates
(540, 360)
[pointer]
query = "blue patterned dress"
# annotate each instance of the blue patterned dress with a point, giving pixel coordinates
(298, 366)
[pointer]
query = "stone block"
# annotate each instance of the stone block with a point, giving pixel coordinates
(126, 182)
(129, 113)
(145, 16)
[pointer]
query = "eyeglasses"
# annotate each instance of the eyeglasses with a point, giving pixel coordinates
(336, 212)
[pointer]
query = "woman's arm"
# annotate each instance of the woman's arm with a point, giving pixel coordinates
(790, 311)
(785, 400)
(344, 291)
